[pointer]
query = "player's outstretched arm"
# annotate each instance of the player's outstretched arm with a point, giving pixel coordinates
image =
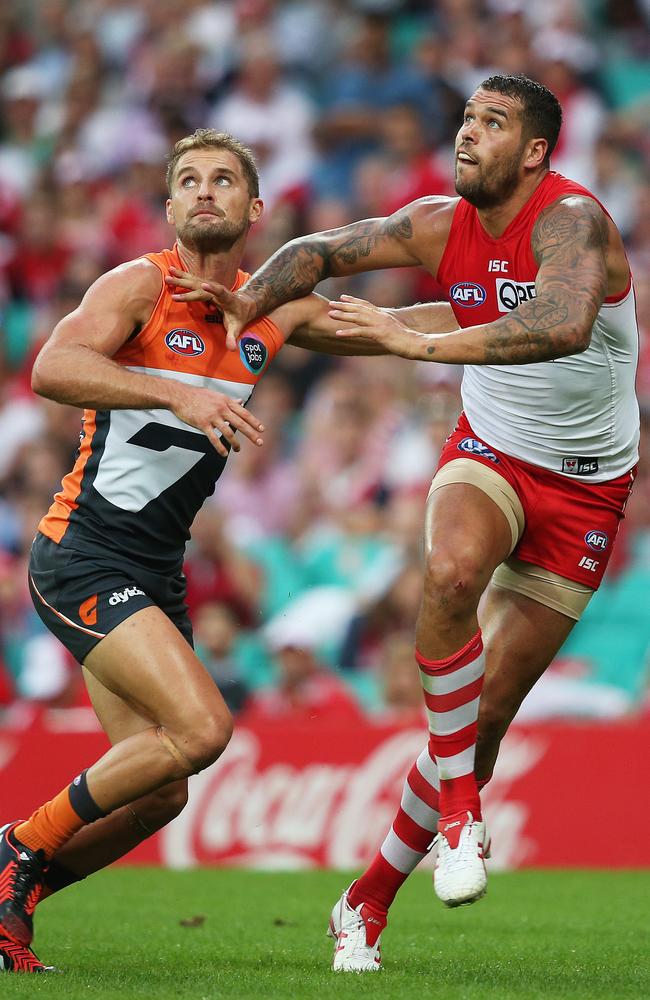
(569, 241)
(76, 365)
(311, 324)
(405, 239)
(306, 322)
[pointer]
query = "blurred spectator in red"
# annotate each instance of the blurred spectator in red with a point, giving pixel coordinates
(40, 255)
(305, 688)
(217, 571)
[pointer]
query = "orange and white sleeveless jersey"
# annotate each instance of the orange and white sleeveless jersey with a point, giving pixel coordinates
(141, 475)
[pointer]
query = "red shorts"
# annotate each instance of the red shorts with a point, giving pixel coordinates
(570, 525)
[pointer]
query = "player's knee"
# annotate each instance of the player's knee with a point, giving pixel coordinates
(456, 576)
(209, 739)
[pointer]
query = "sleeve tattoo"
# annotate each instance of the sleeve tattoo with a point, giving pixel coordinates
(569, 242)
(296, 269)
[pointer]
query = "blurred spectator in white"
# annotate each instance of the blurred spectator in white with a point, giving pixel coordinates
(392, 611)
(613, 180)
(118, 26)
(259, 494)
(271, 116)
(560, 64)
(97, 133)
(24, 150)
(566, 690)
(305, 687)
(51, 27)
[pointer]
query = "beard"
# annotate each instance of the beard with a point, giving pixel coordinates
(487, 190)
(211, 234)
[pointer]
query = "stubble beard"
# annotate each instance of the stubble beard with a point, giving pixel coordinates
(211, 236)
(488, 191)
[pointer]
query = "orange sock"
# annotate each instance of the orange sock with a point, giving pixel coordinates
(52, 825)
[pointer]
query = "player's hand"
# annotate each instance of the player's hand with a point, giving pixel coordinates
(218, 416)
(190, 285)
(238, 309)
(370, 322)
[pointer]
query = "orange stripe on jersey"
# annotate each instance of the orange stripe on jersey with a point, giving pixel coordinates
(55, 522)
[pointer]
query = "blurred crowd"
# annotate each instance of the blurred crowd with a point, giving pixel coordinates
(304, 571)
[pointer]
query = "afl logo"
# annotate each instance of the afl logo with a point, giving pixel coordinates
(468, 293)
(474, 447)
(597, 540)
(185, 342)
(253, 353)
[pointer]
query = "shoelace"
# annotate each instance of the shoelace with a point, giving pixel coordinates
(466, 850)
(25, 877)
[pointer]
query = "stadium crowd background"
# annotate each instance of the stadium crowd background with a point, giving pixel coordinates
(304, 569)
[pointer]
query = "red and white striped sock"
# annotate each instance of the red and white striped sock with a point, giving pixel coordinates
(409, 838)
(452, 690)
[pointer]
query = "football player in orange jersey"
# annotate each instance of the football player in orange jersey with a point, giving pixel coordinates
(164, 401)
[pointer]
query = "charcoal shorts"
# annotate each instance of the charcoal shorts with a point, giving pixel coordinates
(81, 598)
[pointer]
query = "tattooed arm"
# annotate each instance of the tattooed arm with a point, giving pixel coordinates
(414, 235)
(295, 269)
(569, 241)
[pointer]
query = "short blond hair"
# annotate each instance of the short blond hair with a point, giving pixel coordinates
(209, 138)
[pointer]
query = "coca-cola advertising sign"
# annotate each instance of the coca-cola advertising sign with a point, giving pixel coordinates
(307, 795)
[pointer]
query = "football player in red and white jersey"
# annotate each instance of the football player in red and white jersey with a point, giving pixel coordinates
(530, 489)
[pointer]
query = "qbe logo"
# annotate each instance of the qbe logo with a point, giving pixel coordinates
(511, 294)
(185, 342)
(473, 447)
(597, 540)
(468, 294)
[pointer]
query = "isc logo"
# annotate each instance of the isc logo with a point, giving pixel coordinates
(185, 342)
(467, 293)
(597, 540)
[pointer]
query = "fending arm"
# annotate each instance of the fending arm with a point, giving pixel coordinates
(569, 241)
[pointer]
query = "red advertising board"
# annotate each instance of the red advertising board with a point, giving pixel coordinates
(321, 794)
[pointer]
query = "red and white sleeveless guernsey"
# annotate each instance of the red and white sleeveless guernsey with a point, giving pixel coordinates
(577, 415)
(141, 475)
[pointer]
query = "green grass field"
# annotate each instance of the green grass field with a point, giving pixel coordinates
(537, 934)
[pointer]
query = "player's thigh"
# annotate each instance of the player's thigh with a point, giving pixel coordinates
(146, 662)
(117, 717)
(521, 637)
(464, 524)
